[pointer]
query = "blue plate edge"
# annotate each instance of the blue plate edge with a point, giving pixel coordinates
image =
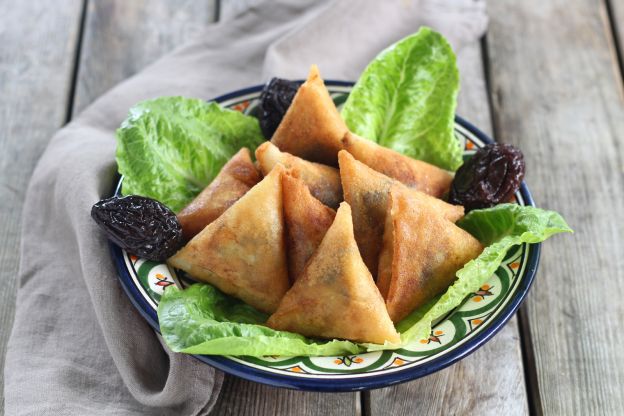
(349, 384)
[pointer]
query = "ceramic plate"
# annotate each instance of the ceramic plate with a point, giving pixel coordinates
(452, 338)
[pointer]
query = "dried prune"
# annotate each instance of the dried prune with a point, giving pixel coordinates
(142, 226)
(491, 176)
(275, 99)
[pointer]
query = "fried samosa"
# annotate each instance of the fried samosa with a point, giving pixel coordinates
(367, 192)
(237, 177)
(306, 219)
(322, 180)
(336, 296)
(416, 174)
(422, 250)
(312, 127)
(243, 251)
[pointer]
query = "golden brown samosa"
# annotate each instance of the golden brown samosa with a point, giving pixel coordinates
(367, 192)
(307, 220)
(243, 252)
(416, 174)
(322, 180)
(422, 251)
(336, 296)
(312, 127)
(237, 176)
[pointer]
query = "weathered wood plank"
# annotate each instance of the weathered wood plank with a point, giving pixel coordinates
(38, 41)
(121, 37)
(241, 398)
(491, 381)
(557, 94)
(472, 102)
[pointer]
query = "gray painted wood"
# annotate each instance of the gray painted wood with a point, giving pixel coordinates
(38, 41)
(122, 37)
(616, 10)
(558, 95)
(472, 102)
(491, 381)
(488, 382)
(242, 398)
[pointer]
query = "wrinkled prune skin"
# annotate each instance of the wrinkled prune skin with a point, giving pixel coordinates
(275, 99)
(142, 226)
(491, 176)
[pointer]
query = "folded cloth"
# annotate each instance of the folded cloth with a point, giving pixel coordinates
(78, 346)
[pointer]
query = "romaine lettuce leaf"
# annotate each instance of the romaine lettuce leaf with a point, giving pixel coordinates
(498, 228)
(202, 320)
(406, 97)
(170, 148)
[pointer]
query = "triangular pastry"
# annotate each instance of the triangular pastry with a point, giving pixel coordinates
(243, 252)
(421, 252)
(306, 219)
(367, 192)
(416, 174)
(312, 126)
(236, 177)
(322, 180)
(336, 296)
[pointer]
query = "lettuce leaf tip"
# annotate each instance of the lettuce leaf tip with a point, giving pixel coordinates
(406, 97)
(171, 148)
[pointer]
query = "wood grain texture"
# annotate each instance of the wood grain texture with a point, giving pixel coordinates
(488, 382)
(557, 94)
(38, 41)
(241, 398)
(122, 37)
(472, 102)
(491, 381)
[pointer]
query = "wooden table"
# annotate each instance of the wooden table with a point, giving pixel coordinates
(547, 77)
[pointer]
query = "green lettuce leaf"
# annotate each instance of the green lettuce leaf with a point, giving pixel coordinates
(498, 228)
(170, 148)
(202, 320)
(406, 97)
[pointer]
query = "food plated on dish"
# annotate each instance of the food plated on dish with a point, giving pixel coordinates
(348, 233)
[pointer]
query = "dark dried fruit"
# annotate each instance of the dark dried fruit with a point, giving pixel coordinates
(274, 101)
(491, 176)
(142, 226)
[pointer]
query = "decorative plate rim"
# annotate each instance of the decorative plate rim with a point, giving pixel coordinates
(367, 382)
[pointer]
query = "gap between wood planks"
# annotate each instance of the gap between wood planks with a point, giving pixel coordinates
(365, 403)
(76, 63)
(613, 33)
(524, 328)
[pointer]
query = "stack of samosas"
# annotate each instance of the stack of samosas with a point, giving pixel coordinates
(268, 233)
